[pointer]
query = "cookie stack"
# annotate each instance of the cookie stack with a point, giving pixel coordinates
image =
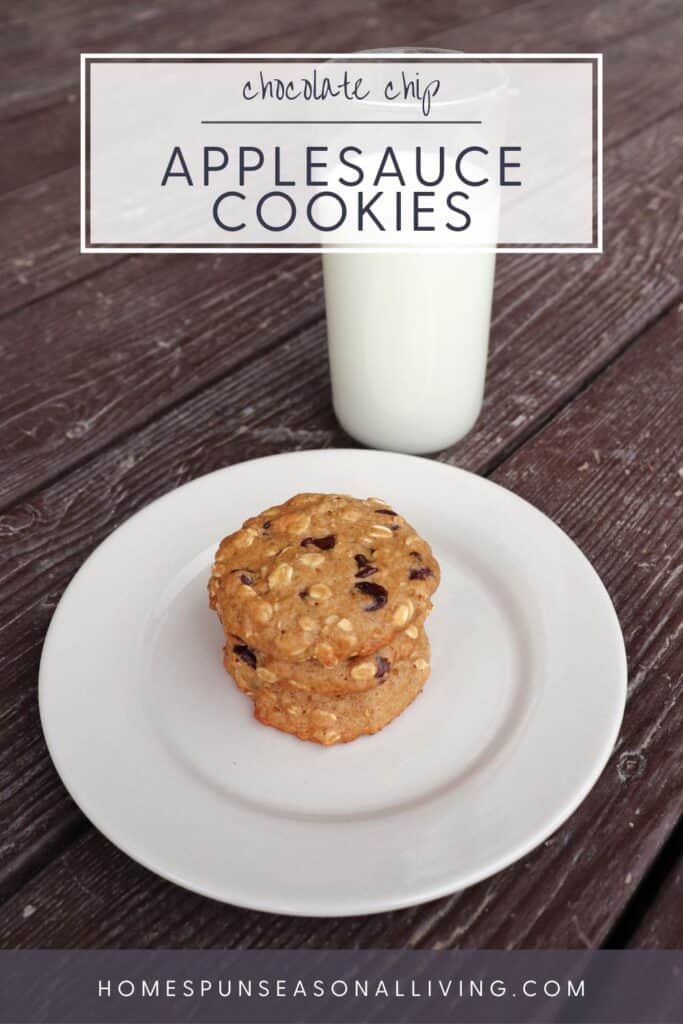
(323, 601)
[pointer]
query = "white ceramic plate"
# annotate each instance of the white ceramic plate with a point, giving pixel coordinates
(162, 753)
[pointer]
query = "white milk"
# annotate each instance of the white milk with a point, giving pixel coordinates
(408, 339)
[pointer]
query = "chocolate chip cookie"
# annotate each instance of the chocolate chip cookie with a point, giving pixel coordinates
(330, 719)
(323, 576)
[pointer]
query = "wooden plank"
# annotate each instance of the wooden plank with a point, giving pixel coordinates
(42, 254)
(585, 310)
(81, 369)
(661, 926)
(80, 365)
(607, 470)
(41, 142)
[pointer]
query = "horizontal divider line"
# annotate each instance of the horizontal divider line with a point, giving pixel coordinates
(341, 122)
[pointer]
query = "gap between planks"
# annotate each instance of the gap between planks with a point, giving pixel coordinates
(630, 928)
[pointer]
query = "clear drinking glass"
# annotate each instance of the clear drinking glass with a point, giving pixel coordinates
(408, 332)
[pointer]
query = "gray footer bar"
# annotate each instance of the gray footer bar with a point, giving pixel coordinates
(349, 987)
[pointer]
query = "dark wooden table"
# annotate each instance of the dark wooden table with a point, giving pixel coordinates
(123, 377)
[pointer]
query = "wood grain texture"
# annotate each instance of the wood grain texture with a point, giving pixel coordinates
(42, 254)
(585, 310)
(607, 470)
(93, 361)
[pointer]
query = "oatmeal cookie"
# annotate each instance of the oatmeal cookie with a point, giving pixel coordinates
(334, 719)
(323, 576)
(353, 676)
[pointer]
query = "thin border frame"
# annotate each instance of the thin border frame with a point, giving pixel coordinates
(598, 134)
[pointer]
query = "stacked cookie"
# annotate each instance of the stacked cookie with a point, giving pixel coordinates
(323, 602)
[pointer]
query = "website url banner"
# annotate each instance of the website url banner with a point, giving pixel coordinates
(354, 987)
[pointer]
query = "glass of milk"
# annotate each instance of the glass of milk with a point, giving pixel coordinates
(408, 331)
